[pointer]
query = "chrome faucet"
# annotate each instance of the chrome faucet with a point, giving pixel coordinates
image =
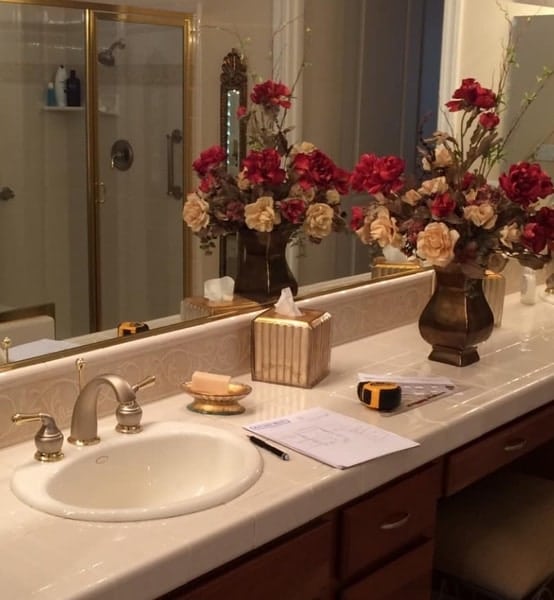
(84, 421)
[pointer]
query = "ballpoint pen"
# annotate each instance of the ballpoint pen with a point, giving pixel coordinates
(261, 444)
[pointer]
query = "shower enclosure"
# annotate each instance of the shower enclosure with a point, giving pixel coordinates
(93, 222)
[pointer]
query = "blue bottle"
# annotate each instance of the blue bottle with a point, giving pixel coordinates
(50, 94)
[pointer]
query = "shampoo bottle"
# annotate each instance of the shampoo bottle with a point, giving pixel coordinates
(59, 86)
(73, 89)
(50, 94)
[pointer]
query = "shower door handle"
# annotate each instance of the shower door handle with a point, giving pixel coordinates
(100, 193)
(175, 137)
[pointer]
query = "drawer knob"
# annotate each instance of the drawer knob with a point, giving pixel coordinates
(514, 445)
(399, 520)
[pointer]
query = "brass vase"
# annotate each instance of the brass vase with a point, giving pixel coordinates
(262, 270)
(456, 318)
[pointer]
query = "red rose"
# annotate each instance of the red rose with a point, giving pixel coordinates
(293, 209)
(375, 174)
(545, 216)
(209, 159)
(489, 120)
(525, 183)
(468, 180)
(442, 205)
(241, 111)
(264, 167)
(534, 237)
(472, 95)
(271, 94)
(207, 183)
(357, 219)
(317, 170)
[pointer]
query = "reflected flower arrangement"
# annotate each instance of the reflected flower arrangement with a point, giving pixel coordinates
(295, 188)
(453, 213)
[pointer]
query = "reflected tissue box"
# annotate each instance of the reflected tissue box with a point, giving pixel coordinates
(291, 350)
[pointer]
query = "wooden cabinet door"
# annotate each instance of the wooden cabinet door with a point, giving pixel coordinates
(387, 521)
(407, 578)
(479, 458)
(299, 568)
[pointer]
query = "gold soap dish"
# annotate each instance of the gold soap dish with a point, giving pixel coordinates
(218, 404)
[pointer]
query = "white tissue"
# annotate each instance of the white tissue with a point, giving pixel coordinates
(219, 290)
(394, 255)
(286, 306)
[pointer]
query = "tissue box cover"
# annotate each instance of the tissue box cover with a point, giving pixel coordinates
(291, 350)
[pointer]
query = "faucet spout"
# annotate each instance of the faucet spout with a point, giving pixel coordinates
(84, 422)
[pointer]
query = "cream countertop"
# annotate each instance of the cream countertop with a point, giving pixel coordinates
(49, 558)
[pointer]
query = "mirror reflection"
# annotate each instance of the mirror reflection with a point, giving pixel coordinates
(106, 245)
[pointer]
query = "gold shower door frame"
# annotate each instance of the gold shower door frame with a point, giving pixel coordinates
(95, 188)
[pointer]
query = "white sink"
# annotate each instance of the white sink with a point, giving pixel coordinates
(170, 469)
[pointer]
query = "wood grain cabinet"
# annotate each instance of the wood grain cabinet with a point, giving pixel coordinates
(496, 449)
(385, 539)
(298, 567)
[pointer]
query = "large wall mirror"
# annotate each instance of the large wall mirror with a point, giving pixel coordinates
(106, 245)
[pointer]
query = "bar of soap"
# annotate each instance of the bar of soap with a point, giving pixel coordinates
(210, 383)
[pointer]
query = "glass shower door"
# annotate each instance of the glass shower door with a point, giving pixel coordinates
(139, 181)
(43, 192)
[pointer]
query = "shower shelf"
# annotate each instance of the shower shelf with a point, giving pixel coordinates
(102, 111)
(63, 108)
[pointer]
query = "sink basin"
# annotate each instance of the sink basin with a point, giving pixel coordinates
(170, 469)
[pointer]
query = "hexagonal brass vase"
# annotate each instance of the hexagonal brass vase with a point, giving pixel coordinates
(456, 318)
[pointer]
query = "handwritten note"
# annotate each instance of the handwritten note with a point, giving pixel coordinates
(330, 437)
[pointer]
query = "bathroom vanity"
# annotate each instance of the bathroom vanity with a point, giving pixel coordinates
(306, 530)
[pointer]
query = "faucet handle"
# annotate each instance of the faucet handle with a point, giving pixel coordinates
(129, 414)
(144, 383)
(48, 439)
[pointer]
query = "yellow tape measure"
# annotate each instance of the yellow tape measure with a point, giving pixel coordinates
(380, 395)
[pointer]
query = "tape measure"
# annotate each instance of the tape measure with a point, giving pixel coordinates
(380, 395)
(131, 327)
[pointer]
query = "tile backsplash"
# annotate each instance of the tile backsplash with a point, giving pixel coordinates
(219, 346)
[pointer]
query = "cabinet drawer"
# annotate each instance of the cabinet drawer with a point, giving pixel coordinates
(298, 568)
(477, 459)
(388, 520)
(407, 577)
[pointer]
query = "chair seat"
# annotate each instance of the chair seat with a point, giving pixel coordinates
(499, 534)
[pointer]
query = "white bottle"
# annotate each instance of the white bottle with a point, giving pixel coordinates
(59, 86)
(528, 286)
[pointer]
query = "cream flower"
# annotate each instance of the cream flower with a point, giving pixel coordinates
(412, 197)
(302, 148)
(261, 215)
(243, 182)
(436, 244)
(319, 220)
(195, 212)
(443, 158)
(482, 215)
(332, 197)
(510, 234)
(383, 228)
(297, 191)
(437, 185)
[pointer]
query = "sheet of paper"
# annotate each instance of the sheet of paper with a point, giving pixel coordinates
(330, 437)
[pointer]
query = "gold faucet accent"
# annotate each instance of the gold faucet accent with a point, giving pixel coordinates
(84, 421)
